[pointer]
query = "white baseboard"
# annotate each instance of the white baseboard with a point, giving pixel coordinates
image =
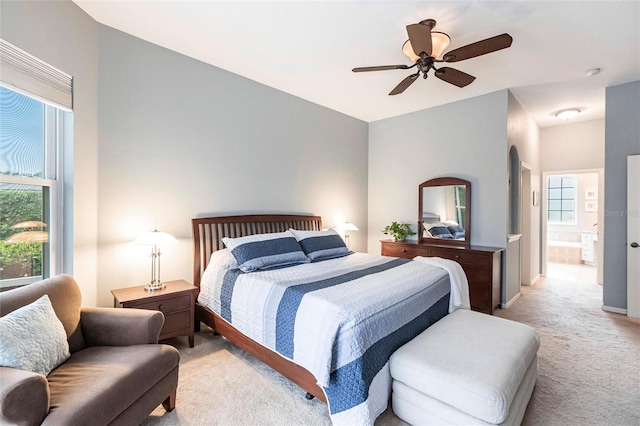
(614, 310)
(510, 302)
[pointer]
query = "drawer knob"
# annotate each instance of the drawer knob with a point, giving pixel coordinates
(457, 256)
(404, 250)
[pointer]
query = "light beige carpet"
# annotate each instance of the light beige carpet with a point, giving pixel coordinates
(589, 370)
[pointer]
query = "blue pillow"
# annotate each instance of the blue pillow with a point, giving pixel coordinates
(456, 231)
(321, 245)
(440, 231)
(265, 251)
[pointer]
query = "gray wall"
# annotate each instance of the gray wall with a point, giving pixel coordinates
(180, 139)
(524, 134)
(61, 34)
(465, 139)
(622, 138)
(160, 138)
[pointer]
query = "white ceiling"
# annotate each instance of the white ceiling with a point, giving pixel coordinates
(308, 48)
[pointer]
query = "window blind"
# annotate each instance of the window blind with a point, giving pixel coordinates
(23, 72)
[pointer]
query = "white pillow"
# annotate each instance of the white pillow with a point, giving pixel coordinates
(223, 259)
(32, 338)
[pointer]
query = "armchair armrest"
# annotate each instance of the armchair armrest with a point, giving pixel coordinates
(120, 327)
(24, 397)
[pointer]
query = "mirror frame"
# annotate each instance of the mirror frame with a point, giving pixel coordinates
(446, 181)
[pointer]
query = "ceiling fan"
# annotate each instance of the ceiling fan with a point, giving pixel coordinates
(425, 46)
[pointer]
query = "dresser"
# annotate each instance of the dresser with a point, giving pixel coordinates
(482, 266)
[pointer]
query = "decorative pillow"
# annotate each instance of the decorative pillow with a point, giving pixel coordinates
(32, 338)
(321, 245)
(440, 231)
(456, 230)
(265, 251)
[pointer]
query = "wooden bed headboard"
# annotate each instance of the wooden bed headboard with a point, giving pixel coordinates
(209, 231)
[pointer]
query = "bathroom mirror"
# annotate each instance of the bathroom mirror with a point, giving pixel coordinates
(444, 211)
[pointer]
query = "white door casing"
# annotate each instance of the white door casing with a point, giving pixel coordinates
(633, 236)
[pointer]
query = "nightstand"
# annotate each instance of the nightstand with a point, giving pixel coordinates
(176, 301)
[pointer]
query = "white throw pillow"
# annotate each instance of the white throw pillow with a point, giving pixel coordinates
(32, 338)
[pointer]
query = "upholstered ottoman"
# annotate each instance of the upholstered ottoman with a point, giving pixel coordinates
(468, 368)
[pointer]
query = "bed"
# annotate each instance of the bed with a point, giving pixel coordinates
(353, 381)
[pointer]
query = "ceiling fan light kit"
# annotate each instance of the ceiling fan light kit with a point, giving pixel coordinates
(425, 46)
(439, 42)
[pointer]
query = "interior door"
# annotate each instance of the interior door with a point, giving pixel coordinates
(633, 236)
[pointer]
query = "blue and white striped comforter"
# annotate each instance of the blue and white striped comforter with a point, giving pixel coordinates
(340, 319)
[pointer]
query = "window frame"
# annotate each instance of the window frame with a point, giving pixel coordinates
(460, 205)
(52, 184)
(561, 199)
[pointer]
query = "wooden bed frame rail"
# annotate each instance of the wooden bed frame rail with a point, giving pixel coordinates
(207, 238)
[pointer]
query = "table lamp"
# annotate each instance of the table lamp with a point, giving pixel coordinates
(155, 239)
(346, 227)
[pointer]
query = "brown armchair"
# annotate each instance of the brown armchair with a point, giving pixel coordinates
(117, 373)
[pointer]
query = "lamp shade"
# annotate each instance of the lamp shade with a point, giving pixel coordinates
(347, 226)
(155, 238)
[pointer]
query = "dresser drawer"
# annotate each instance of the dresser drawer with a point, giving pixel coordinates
(166, 306)
(464, 259)
(399, 250)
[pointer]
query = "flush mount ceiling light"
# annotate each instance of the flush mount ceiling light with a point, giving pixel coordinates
(592, 72)
(567, 114)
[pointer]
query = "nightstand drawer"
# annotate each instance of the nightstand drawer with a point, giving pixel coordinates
(168, 305)
(176, 322)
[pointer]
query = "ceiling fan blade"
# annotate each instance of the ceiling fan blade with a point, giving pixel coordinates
(420, 38)
(381, 68)
(478, 48)
(455, 77)
(404, 84)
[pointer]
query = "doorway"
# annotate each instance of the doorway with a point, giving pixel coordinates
(572, 209)
(528, 254)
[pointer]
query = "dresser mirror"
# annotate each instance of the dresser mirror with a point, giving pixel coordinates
(444, 211)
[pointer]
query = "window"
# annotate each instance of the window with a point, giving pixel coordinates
(30, 142)
(461, 199)
(561, 200)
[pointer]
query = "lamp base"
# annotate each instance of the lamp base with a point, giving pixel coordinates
(155, 286)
